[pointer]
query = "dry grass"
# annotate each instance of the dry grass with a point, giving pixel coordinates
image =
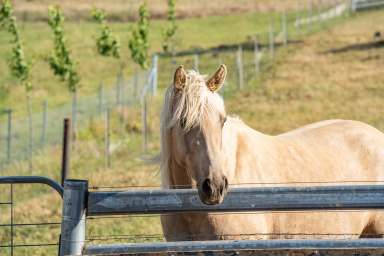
(310, 85)
(121, 10)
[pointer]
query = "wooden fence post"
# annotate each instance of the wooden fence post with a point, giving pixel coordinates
(45, 123)
(239, 64)
(65, 160)
(72, 237)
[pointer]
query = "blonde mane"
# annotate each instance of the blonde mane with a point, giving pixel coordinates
(194, 102)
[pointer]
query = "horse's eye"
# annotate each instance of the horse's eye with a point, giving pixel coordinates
(182, 123)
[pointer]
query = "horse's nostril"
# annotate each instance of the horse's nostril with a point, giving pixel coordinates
(224, 186)
(207, 187)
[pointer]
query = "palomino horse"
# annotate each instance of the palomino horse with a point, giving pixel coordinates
(203, 147)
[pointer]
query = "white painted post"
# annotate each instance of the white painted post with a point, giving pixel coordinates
(72, 237)
(239, 65)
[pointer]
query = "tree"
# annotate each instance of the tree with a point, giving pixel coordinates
(170, 32)
(19, 66)
(138, 44)
(106, 43)
(60, 59)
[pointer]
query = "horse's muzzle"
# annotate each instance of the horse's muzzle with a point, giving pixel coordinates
(213, 191)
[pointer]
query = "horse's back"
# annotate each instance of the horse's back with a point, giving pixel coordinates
(337, 149)
(335, 126)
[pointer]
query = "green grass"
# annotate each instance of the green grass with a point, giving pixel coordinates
(195, 32)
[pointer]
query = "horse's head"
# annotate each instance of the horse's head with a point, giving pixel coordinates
(195, 124)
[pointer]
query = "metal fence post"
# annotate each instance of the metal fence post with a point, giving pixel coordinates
(73, 217)
(284, 28)
(135, 84)
(256, 56)
(271, 42)
(145, 125)
(107, 135)
(196, 62)
(66, 150)
(155, 59)
(239, 64)
(45, 122)
(9, 135)
(101, 97)
(117, 88)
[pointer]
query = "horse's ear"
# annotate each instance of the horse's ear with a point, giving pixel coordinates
(180, 78)
(218, 79)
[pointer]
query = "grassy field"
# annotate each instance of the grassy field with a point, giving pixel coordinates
(306, 84)
(192, 33)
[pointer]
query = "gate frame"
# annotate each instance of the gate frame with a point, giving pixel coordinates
(79, 202)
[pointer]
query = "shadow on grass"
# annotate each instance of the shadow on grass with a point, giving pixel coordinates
(247, 46)
(357, 47)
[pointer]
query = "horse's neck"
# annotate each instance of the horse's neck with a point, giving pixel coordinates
(244, 147)
(178, 176)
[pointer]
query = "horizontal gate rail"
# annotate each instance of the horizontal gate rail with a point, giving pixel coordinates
(359, 5)
(238, 200)
(235, 245)
(32, 180)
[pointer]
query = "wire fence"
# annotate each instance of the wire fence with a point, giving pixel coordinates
(248, 61)
(22, 238)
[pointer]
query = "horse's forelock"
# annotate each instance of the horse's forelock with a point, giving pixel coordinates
(190, 105)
